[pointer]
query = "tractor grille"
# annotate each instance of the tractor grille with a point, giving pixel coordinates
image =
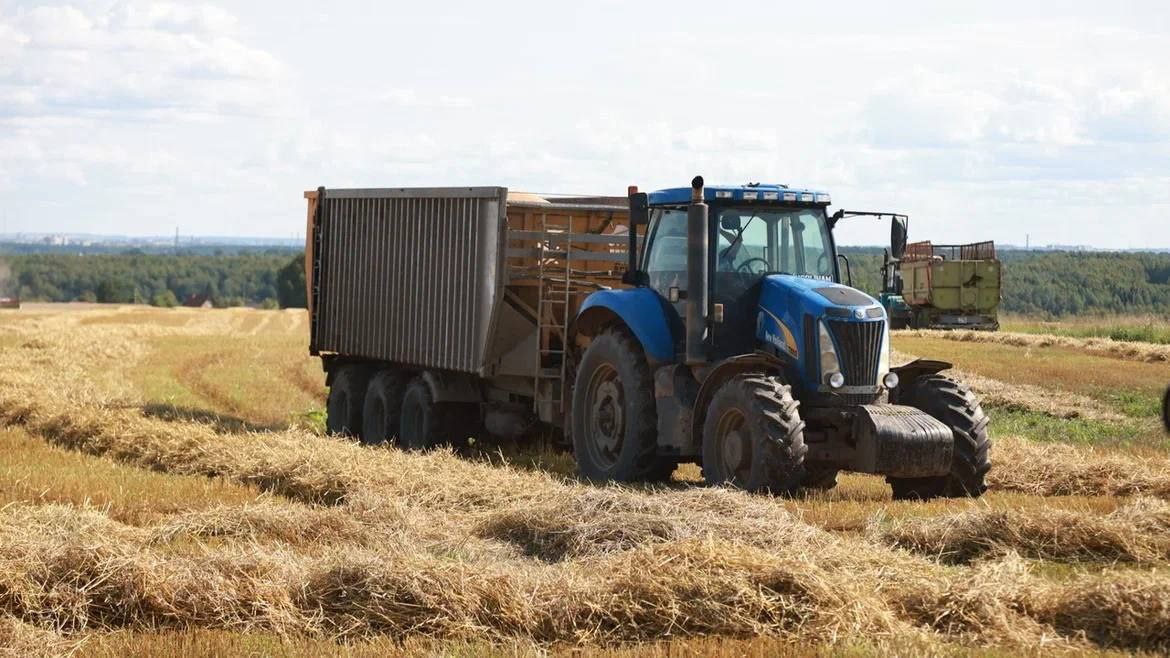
(859, 347)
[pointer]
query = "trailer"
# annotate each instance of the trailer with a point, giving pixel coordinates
(702, 324)
(951, 286)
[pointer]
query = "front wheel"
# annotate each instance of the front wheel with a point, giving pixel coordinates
(615, 422)
(753, 437)
(955, 405)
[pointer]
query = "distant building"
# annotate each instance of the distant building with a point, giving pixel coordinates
(9, 302)
(198, 301)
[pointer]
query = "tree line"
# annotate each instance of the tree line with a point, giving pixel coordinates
(1039, 283)
(265, 279)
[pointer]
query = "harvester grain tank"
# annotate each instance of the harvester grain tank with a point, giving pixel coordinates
(701, 324)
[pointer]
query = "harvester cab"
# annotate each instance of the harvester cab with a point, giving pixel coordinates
(739, 347)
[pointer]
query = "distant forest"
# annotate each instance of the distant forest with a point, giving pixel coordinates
(1038, 283)
(269, 279)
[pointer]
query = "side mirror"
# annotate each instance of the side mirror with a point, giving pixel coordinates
(898, 233)
(730, 222)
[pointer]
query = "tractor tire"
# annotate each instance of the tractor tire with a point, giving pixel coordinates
(346, 397)
(753, 438)
(383, 407)
(615, 421)
(820, 479)
(954, 404)
(1166, 409)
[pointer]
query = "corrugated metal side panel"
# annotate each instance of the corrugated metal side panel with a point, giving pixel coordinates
(409, 276)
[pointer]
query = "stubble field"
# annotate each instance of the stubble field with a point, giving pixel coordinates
(165, 489)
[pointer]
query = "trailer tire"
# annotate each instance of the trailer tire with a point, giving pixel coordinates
(770, 458)
(614, 419)
(383, 407)
(419, 424)
(347, 394)
(953, 403)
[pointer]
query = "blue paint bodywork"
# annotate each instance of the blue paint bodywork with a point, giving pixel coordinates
(785, 299)
(641, 310)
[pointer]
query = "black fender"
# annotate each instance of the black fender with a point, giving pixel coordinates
(719, 375)
(909, 372)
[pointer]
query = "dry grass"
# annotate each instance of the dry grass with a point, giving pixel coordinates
(1117, 349)
(377, 546)
(1137, 532)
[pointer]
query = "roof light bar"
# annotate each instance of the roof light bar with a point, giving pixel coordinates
(824, 198)
(750, 196)
(790, 196)
(807, 197)
(771, 196)
(722, 194)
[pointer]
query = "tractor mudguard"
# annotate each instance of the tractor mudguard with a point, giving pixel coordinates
(908, 372)
(640, 309)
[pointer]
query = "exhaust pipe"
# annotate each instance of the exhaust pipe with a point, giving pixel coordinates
(697, 292)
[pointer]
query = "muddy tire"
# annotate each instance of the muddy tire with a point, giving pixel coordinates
(753, 437)
(954, 404)
(615, 422)
(347, 395)
(383, 406)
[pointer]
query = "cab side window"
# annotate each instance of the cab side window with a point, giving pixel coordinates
(666, 262)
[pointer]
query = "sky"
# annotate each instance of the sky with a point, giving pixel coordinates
(1012, 121)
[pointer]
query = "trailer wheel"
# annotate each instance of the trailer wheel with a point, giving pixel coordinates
(347, 394)
(954, 404)
(383, 407)
(753, 437)
(614, 422)
(419, 424)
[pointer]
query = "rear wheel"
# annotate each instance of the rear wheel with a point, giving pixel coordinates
(753, 437)
(614, 419)
(347, 394)
(954, 404)
(419, 424)
(383, 407)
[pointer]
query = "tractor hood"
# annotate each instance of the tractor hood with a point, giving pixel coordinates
(791, 310)
(816, 297)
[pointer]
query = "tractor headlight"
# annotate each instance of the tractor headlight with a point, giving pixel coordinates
(836, 380)
(890, 381)
(830, 365)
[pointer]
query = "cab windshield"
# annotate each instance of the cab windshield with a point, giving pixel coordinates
(756, 241)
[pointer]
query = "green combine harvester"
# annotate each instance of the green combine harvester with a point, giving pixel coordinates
(942, 286)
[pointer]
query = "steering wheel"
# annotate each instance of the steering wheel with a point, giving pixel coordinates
(744, 267)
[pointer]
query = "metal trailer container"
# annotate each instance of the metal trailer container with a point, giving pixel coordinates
(952, 286)
(473, 285)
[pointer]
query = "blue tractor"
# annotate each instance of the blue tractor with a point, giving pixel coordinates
(739, 347)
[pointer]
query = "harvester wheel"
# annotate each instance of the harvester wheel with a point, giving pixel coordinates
(753, 437)
(615, 422)
(419, 426)
(383, 407)
(346, 396)
(955, 405)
